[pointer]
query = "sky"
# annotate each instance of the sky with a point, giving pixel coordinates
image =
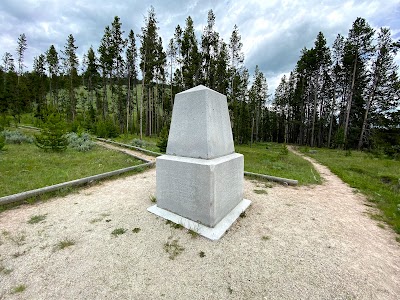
(273, 32)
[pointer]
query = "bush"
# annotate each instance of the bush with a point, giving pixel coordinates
(52, 137)
(80, 142)
(2, 141)
(106, 129)
(284, 152)
(16, 137)
(139, 143)
(163, 140)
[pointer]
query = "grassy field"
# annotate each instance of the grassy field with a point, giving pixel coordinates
(377, 178)
(149, 143)
(274, 159)
(264, 158)
(25, 167)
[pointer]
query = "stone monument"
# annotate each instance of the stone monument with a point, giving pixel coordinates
(200, 179)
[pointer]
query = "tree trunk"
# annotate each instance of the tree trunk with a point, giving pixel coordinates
(349, 102)
(331, 118)
(369, 102)
(128, 102)
(313, 117)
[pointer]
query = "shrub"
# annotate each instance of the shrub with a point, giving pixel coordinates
(106, 129)
(52, 136)
(163, 140)
(139, 143)
(2, 141)
(16, 137)
(80, 142)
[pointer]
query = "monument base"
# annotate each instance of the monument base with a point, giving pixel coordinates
(202, 190)
(214, 233)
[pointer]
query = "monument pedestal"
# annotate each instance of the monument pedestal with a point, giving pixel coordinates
(202, 190)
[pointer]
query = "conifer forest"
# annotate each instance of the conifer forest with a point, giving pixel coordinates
(344, 95)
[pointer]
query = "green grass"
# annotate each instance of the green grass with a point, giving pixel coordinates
(64, 244)
(118, 231)
(150, 142)
(25, 167)
(18, 289)
(136, 230)
(36, 219)
(377, 178)
(173, 248)
(272, 159)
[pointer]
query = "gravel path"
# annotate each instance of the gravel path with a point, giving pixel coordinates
(313, 242)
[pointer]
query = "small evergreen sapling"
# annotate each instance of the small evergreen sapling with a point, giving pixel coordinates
(52, 136)
(163, 140)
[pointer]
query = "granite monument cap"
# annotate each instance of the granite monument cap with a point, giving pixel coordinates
(200, 125)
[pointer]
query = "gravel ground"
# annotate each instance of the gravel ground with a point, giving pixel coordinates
(313, 242)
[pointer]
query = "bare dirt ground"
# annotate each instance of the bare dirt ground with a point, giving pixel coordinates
(312, 242)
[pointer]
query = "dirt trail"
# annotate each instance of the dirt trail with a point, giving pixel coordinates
(128, 151)
(307, 242)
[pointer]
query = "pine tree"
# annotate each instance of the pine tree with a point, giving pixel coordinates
(106, 63)
(39, 88)
(118, 44)
(384, 73)
(258, 97)
(191, 58)
(21, 47)
(53, 68)
(131, 58)
(149, 63)
(91, 73)
(358, 48)
(70, 60)
(209, 45)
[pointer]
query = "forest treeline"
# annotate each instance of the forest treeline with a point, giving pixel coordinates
(346, 95)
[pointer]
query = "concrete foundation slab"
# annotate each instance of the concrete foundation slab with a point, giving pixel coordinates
(214, 233)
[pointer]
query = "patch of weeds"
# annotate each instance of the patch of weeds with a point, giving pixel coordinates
(380, 225)
(202, 254)
(376, 217)
(64, 244)
(268, 185)
(260, 191)
(243, 214)
(105, 215)
(398, 239)
(18, 239)
(36, 219)
(18, 289)
(265, 238)
(136, 230)
(4, 270)
(173, 248)
(118, 231)
(18, 254)
(95, 220)
(193, 233)
(153, 199)
(230, 290)
(284, 151)
(174, 225)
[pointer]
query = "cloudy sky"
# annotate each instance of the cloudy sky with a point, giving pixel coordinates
(273, 32)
